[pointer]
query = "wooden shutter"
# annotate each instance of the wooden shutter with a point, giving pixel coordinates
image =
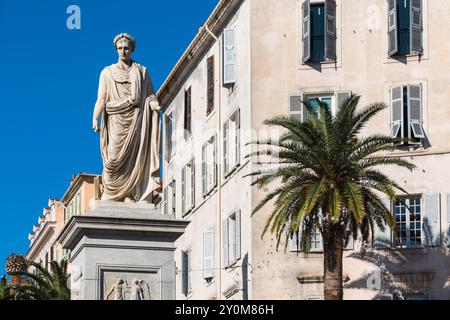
(210, 84)
(204, 173)
(189, 269)
(341, 97)
(187, 113)
(183, 190)
(184, 273)
(229, 56)
(174, 197)
(392, 27)
(237, 235)
(396, 112)
(296, 107)
(330, 30)
(232, 143)
(238, 136)
(415, 111)
(166, 202)
(225, 243)
(306, 30)
(383, 239)
(226, 128)
(416, 29)
(431, 226)
(208, 254)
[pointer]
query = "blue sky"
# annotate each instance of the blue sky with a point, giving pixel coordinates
(48, 85)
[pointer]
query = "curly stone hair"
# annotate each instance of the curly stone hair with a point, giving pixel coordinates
(130, 39)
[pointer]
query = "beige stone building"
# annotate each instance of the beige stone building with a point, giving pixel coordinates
(254, 59)
(44, 247)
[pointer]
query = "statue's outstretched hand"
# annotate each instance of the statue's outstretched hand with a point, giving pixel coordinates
(95, 126)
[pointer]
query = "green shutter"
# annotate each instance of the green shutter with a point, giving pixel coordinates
(392, 28)
(306, 30)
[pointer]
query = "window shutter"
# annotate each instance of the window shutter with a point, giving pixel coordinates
(166, 201)
(208, 254)
(204, 174)
(306, 36)
(189, 270)
(392, 28)
(192, 203)
(214, 161)
(184, 272)
(238, 136)
(225, 243)
(382, 239)
(330, 30)
(296, 107)
(183, 190)
(431, 227)
(225, 147)
(448, 218)
(416, 27)
(173, 132)
(174, 197)
(229, 56)
(415, 110)
(210, 84)
(237, 234)
(341, 97)
(396, 112)
(231, 143)
(351, 243)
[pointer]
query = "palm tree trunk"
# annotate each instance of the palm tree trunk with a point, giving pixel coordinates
(332, 263)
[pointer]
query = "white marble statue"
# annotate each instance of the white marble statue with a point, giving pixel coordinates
(140, 290)
(119, 289)
(129, 129)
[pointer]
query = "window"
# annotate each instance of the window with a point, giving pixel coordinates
(231, 143)
(406, 114)
(187, 113)
(315, 242)
(231, 242)
(319, 31)
(170, 135)
(210, 85)
(208, 254)
(186, 271)
(188, 187)
(407, 213)
(333, 100)
(405, 27)
(209, 166)
(169, 195)
(229, 56)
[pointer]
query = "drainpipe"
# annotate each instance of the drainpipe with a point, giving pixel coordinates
(219, 161)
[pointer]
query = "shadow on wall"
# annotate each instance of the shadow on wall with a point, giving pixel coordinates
(408, 273)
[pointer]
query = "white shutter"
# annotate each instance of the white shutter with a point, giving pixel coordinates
(229, 56)
(166, 202)
(225, 147)
(396, 112)
(174, 197)
(431, 226)
(416, 28)
(448, 218)
(208, 254)
(392, 28)
(192, 202)
(238, 136)
(204, 170)
(225, 243)
(306, 30)
(383, 239)
(237, 235)
(415, 111)
(232, 143)
(296, 107)
(189, 269)
(330, 30)
(173, 132)
(183, 190)
(214, 161)
(351, 243)
(341, 97)
(184, 272)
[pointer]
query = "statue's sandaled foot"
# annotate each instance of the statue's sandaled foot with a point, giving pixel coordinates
(129, 200)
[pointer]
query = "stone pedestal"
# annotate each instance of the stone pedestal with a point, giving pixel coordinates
(122, 251)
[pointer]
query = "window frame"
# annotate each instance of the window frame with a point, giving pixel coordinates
(397, 239)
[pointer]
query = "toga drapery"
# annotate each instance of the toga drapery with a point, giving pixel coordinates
(130, 134)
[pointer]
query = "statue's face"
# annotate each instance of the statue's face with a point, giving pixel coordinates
(124, 49)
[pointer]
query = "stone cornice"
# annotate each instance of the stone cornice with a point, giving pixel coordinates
(44, 234)
(75, 186)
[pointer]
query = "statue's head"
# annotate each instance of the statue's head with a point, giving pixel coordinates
(125, 45)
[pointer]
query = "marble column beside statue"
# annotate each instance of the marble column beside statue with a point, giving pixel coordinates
(122, 247)
(129, 129)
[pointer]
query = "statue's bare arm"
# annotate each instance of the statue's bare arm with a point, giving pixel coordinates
(100, 104)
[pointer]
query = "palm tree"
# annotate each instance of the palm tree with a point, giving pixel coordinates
(329, 182)
(44, 284)
(3, 285)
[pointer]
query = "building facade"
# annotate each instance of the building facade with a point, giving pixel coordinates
(253, 60)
